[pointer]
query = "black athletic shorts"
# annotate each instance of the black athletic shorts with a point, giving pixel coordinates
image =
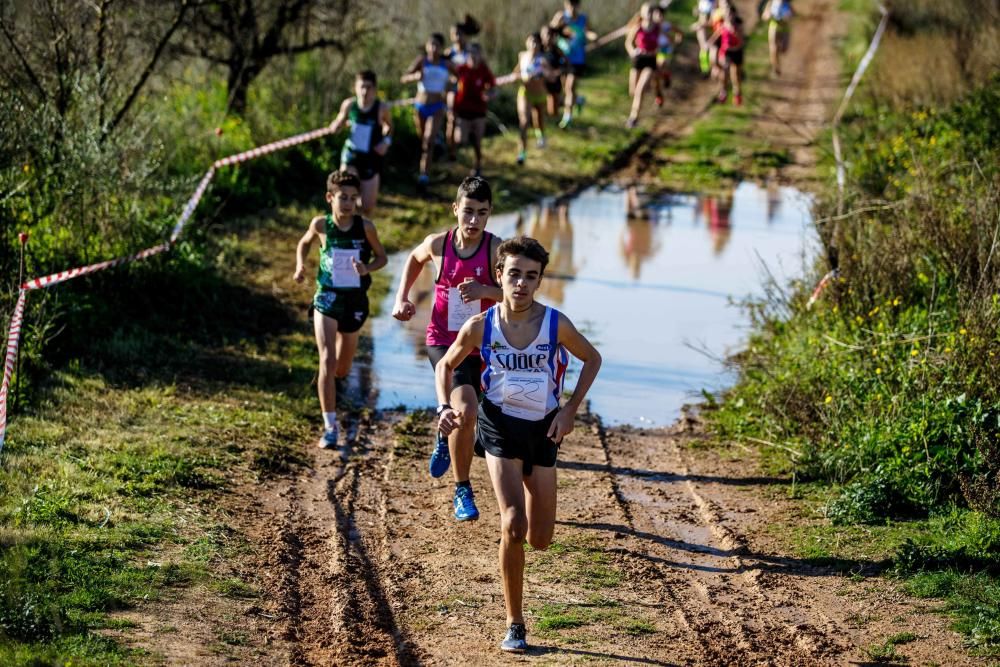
(578, 70)
(508, 437)
(468, 371)
(369, 165)
(348, 307)
(734, 57)
(553, 87)
(644, 61)
(469, 115)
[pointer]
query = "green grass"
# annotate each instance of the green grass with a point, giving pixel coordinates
(720, 149)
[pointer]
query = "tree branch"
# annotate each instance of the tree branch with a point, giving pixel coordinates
(150, 66)
(25, 65)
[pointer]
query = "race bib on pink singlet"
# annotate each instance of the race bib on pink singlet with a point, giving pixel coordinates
(458, 311)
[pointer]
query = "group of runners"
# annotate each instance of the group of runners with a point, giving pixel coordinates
(499, 359)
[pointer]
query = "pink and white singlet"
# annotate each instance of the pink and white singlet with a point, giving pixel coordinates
(449, 312)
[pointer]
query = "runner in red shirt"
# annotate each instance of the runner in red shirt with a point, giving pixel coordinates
(475, 81)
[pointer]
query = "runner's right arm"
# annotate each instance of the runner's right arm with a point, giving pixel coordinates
(341, 118)
(470, 336)
(404, 309)
(302, 249)
(414, 73)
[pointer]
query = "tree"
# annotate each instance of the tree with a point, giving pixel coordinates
(53, 52)
(245, 35)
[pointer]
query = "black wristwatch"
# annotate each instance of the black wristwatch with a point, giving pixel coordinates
(441, 408)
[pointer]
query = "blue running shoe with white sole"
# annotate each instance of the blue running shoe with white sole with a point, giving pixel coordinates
(465, 504)
(440, 457)
(329, 438)
(515, 641)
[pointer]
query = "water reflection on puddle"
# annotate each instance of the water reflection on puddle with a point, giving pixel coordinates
(651, 281)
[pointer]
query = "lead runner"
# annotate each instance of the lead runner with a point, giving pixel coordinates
(523, 347)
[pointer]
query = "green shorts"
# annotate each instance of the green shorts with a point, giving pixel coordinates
(348, 307)
(534, 99)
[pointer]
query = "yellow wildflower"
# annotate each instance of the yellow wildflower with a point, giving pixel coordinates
(963, 331)
(878, 371)
(829, 399)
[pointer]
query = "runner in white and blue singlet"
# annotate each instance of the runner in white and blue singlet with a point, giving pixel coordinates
(524, 346)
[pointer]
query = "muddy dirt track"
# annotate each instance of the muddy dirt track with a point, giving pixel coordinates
(662, 554)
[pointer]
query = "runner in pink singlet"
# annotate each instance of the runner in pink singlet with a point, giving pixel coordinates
(464, 285)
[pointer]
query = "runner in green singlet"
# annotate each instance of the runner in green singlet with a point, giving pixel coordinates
(349, 253)
(371, 135)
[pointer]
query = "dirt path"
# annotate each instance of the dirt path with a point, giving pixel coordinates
(662, 554)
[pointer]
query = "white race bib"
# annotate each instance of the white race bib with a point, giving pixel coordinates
(458, 311)
(343, 273)
(524, 395)
(361, 137)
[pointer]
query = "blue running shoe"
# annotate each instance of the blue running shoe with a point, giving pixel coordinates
(329, 438)
(441, 457)
(465, 504)
(515, 641)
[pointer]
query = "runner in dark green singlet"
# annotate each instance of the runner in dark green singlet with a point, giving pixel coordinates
(370, 123)
(350, 251)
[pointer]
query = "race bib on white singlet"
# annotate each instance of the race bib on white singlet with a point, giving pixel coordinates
(459, 311)
(343, 273)
(524, 395)
(361, 137)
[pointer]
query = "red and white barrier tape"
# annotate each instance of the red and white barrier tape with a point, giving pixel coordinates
(14, 333)
(820, 287)
(13, 336)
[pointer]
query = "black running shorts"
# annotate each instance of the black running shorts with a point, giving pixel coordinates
(508, 437)
(467, 372)
(348, 307)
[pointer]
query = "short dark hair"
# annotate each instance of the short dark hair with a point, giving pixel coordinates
(368, 75)
(437, 37)
(522, 246)
(475, 187)
(341, 179)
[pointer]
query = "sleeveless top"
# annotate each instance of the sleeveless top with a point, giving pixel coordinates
(531, 66)
(449, 312)
(366, 130)
(575, 46)
(523, 383)
(457, 56)
(336, 272)
(648, 39)
(780, 10)
(434, 78)
(665, 42)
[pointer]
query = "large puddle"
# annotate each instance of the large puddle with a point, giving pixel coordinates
(654, 282)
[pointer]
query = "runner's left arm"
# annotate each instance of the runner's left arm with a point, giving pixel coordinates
(582, 349)
(379, 258)
(385, 118)
(470, 336)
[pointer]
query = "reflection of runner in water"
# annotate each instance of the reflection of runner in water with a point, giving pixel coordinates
(637, 235)
(778, 14)
(523, 346)
(463, 258)
(350, 251)
(551, 228)
(717, 210)
(773, 199)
